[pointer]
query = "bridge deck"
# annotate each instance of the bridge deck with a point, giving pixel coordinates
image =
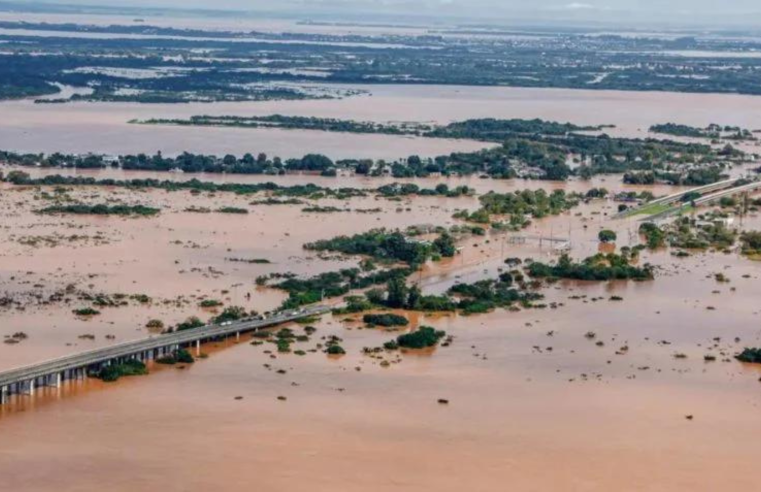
(719, 185)
(129, 349)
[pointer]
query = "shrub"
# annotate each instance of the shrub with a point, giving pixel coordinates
(283, 345)
(386, 320)
(88, 311)
(335, 350)
(190, 323)
(210, 303)
(422, 338)
(751, 355)
(113, 372)
(607, 236)
(184, 357)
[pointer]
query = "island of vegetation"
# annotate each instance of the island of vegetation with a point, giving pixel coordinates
(532, 149)
(598, 267)
(519, 207)
(101, 209)
(423, 337)
(712, 131)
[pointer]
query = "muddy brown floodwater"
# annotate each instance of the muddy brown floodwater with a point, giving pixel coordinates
(104, 127)
(534, 404)
(528, 409)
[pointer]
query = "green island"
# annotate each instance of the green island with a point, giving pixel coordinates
(390, 246)
(294, 192)
(486, 295)
(598, 267)
(386, 320)
(712, 131)
(101, 209)
(520, 206)
(423, 337)
(87, 311)
(487, 129)
(531, 149)
(233, 210)
(750, 355)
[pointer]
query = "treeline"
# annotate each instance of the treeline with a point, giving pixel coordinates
(534, 149)
(295, 123)
(520, 206)
(598, 267)
(379, 245)
(310, 191)
(334, 284)
(484, 295)
(100, 209)
(507, 291)
(486, 129)
(712, 131)
(384, 245)
(496, 130)
(691, 177)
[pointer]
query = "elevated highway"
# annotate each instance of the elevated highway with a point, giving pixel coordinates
(77, 366)
(676, 197)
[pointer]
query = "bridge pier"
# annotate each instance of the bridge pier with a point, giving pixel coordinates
(25, 380)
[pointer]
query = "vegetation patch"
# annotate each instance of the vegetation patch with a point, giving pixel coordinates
(101, 209)
(597, 267)
(232, 210)
(88, 311)
(113, 372)
(750, 355)
(423, 338)
(385, 320)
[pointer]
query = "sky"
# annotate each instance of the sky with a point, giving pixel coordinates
(641, 11)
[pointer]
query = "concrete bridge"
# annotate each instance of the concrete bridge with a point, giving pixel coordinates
(676, 197)
(706, 200)
(24, 380)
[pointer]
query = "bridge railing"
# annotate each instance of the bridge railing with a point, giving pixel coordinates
(127, 349)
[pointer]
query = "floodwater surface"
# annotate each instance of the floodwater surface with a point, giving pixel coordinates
(535, 402)
(104, 127)
(532, 401)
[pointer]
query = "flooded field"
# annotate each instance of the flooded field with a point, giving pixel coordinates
(527, 391)
(608, 386)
